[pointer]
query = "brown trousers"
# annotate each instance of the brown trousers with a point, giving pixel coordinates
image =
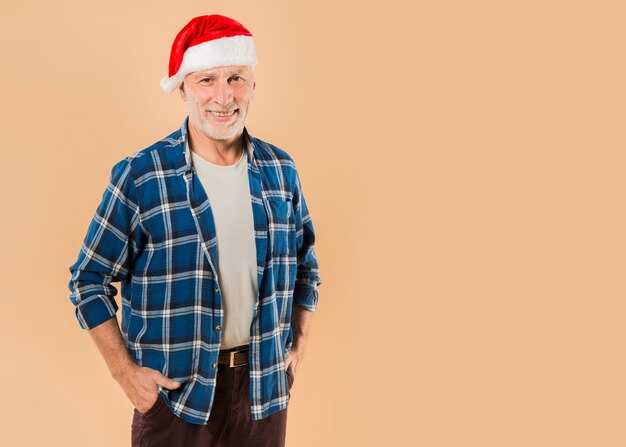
(230, 423)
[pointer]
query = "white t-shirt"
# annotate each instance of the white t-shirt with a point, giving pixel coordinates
(228, 190)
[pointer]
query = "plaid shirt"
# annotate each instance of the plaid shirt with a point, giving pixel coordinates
(154, 232)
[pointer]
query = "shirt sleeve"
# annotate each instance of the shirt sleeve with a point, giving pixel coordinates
(107, 250)
(307, 276)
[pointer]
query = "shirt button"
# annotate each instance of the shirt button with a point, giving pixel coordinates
(217, 290)
(214, 365)
(218, 327)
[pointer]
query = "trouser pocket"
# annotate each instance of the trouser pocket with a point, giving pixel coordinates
(153, 409)
(290, 377)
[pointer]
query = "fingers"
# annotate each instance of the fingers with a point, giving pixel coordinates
(291, 365)
(165, 382)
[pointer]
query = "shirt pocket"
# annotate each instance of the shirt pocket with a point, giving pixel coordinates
(281, 228)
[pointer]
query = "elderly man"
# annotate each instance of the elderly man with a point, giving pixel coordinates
(209, 234)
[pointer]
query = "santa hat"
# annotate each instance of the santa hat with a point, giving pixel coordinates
(208, 42)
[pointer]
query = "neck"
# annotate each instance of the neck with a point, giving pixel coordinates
(220, 152)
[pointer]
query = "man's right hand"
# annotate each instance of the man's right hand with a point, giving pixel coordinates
(140, 385)
(138, 382)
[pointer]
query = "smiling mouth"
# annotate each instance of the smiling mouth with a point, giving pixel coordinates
(223, 114)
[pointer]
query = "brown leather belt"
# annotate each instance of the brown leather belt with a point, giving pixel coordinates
(233, 357)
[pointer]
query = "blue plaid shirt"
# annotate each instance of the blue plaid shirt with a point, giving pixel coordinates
(154, 232)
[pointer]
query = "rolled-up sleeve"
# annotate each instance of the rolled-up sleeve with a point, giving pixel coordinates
(307, 276)
(107, 250)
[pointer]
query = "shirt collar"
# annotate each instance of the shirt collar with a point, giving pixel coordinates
(247, 138)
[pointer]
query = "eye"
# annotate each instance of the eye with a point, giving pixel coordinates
(237, 78)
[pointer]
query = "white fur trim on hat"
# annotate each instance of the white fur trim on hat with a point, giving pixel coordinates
(235, 50)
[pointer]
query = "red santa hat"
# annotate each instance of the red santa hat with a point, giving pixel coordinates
(208, 42)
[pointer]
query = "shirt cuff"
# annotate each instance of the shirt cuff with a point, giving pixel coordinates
(305, 295)
(95, 310)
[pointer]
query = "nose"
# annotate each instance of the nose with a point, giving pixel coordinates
(223, 93)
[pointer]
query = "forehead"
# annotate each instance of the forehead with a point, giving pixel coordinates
(224, 71)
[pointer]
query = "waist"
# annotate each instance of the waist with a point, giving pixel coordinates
(233, 357)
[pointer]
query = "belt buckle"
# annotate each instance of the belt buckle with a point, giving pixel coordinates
(232, 360)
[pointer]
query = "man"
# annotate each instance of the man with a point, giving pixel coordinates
(209, 234)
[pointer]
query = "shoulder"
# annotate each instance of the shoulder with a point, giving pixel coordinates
(163, 154)
(278, 167)
(268, 152)
(272, 158)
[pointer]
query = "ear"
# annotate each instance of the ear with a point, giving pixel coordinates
(181, 90)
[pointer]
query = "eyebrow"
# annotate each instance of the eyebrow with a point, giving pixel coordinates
(211, 75)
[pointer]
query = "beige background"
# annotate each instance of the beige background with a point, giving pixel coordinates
(464, 167)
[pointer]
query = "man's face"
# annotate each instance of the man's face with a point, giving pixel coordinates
(225, 90)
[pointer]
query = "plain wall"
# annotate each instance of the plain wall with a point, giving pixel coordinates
(463, 163)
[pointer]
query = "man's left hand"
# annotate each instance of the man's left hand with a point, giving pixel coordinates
(293, 359)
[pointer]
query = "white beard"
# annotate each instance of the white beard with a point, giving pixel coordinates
(218, 132)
